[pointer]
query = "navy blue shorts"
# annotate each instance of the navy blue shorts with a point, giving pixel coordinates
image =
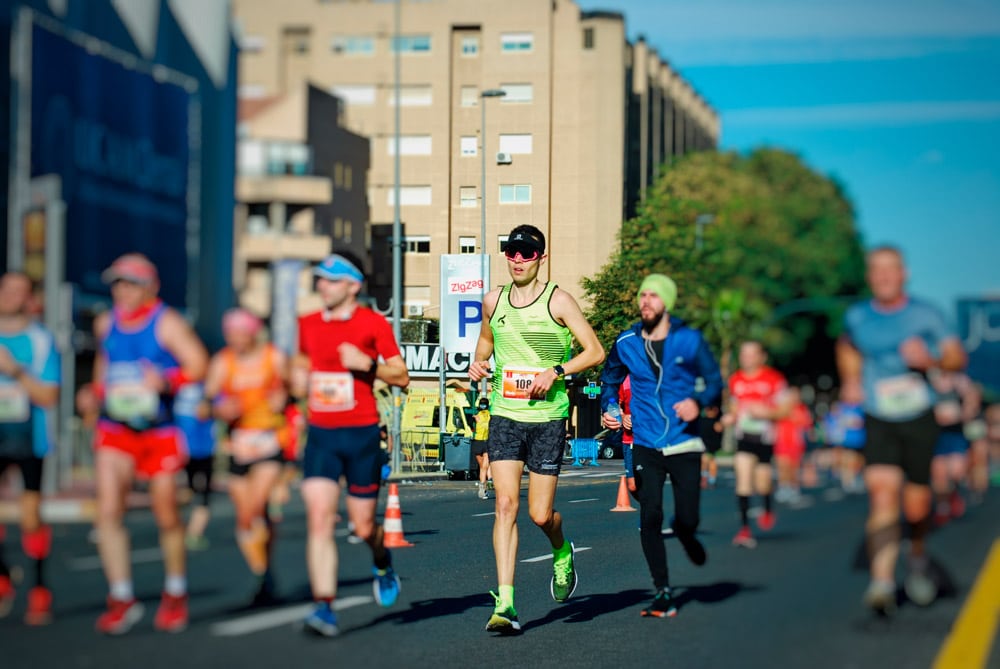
(31, 471)
(951, 441)
(352, 452)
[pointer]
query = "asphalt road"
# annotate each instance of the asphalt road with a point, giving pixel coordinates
(794, 601)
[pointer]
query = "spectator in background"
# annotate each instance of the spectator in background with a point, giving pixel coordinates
(958, 404)
(193, 414)
(790, 447)
(479, 448)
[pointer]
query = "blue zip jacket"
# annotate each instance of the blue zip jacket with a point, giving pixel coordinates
(656, 388)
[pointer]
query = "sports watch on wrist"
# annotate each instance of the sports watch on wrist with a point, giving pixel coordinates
(560, 372)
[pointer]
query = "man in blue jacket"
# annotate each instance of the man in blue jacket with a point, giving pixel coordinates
(664, 357)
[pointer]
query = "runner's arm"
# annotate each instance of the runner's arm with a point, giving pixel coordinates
(849, 365)
(567, 311)
(179, 338)
(479, 368)
(41, 393)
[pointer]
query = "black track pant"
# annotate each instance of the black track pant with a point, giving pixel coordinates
(651, 471)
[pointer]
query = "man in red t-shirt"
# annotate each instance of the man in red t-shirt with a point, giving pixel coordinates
(757, 398)
(342, 350)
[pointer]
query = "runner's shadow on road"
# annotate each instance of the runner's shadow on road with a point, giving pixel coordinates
(711, 594)
(587, 608)
(431, 608)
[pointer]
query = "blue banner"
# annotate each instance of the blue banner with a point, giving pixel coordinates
(119, 138)
(979, 328)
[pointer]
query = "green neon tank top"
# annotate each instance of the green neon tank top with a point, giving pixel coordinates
(527, 340)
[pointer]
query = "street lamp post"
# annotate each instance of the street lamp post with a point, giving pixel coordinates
(700, 222)
(488, 93)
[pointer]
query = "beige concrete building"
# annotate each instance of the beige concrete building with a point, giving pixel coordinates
(585, 121)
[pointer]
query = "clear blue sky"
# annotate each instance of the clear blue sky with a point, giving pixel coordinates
(897, 99)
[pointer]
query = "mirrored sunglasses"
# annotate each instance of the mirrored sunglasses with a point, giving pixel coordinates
(517, 256)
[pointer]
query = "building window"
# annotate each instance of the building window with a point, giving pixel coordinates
(517, 93)
(338, 227)
(348, 177)
(356, 95)
(412, 44)
(469, 145)
(502, 242)
(348, 231)
(338, 175)
(515, 143)
(296, 40)
(515, 194)
(353, 45)
(469, 96)
(417, 243)
(470, 46)
(410, 145)
(466, 244)
(410, 195)
(413, 95)
(252, 44)
(588, 38)
(516, 42)
(252, 91)
(467, 197)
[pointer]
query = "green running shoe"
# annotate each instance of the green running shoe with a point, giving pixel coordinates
(564, 578)
(504, 619)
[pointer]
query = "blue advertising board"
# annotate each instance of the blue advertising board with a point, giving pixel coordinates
(979, 328)
(120, 139)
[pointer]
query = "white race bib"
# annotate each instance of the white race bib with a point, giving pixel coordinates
(14, 404)
(331, 391)
(750, 425)
(249, 446)
(516, 382)
(902, 396)
(130, 400)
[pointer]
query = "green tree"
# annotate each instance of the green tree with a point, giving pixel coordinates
(778, 232)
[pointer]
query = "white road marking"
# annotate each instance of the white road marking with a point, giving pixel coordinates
(548, 556)
(137, 557)
(578, 501)
(262, 621)
(488, 513)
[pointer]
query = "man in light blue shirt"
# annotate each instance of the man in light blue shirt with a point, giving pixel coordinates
(29, 386)
(890, 343)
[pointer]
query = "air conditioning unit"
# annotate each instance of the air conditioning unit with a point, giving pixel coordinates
(414, 310)
(503, 158)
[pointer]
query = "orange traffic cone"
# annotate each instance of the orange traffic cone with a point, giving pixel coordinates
(392, 527)
(623, 503)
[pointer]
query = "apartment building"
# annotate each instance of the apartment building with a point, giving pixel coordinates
(300, 192)
(584, 121)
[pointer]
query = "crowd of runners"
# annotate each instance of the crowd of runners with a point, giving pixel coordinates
(907, 426)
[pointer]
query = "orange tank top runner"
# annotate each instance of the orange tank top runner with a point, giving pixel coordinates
(254, 435)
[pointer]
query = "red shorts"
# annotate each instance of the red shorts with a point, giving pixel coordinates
(160, 450)
(793, 451)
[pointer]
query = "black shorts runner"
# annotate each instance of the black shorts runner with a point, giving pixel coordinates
(907, 444)
(539, 445)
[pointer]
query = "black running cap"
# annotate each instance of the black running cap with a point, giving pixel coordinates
(522, 241)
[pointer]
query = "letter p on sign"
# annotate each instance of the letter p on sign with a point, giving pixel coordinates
(470, 314)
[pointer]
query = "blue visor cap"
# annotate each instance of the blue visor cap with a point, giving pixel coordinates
(337, 267)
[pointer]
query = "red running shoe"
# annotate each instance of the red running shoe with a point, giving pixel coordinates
(765, 521)
(7, 595)
(120, 616)
(172, 616)
(956, 505)
(39, 606)
(744, 539)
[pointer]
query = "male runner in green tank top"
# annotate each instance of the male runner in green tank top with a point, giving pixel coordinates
(528, 328)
